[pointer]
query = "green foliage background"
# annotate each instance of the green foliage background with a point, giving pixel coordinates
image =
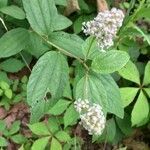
(65, 65)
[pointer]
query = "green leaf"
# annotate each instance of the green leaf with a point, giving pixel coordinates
(36, 46)
(140, 110)
(4, 77)
(3, 142)
(49, 75)
(43, 16)
(18, 138)
(2, 125)
(13, 42)
(59, 107)
(62, 136)
(67, 91)
(40, 15)
(146, 79)
(69, 43)
(14, 128)
(55, 145)
(4, 85)
(130, 72)
(90, 87)
(12, 65)
(147, 90)
(61, 22)
(39, 128)
(115, 104)
(110, 61)
(8, 93)
(144, 12)
(13, 11)
(40, 143)
(61, 2)
(53, 124)
(3, 3)
(128, 94)
(125, 124)
(90, 48)
(70, 116)
(110, 130)
(84, 7)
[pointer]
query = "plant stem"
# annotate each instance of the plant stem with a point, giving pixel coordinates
(25, 61)
(65, 52)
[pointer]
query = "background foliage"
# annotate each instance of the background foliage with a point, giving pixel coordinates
(46, 63)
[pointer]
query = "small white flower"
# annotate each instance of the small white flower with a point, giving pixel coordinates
(104, 27)
(91, 115)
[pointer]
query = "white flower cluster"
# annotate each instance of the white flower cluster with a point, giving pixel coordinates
(91, 115)
(104, 27)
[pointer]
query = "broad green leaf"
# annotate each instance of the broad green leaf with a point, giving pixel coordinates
(70, 116)
(40, 15)
(144, 12)
(85, 8)
(110, 61)
(110, 130)
(90, 48)
(40, 144)
(55, 145)
(69, 43)
(4, 77)
(128, 94)
(12, 65)
(13, 42)
(146, 79)
(3, 142)
(8, 93)
(115, 104)
(90, 87)
(53, 124)
(49, 75)
(147, 91)
(140, 110)
(130, 72)
(2, 125)
(125, 124)
(61, 2)
(15, 127)
(36, 46)
(39, 128)
(18, 138)
(62, 136)
(61, 22)
(3, 3)
(43, 16)
(13, 11)
(4, 85)
(59, 107)
(67, 91)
